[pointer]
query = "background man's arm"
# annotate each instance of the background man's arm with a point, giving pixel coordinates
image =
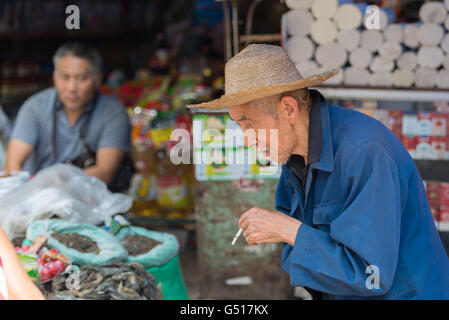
(18, 152)
(108, 163)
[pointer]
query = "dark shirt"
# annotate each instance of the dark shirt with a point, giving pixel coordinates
(296, 162)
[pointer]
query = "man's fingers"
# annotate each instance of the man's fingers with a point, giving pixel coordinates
(245, 216)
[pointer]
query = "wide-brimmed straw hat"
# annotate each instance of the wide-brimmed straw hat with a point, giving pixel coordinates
(260, 71)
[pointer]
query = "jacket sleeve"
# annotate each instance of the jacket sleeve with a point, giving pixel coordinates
(365, 236)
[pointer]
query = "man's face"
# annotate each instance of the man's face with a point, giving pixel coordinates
(256, 118)
(75, 82)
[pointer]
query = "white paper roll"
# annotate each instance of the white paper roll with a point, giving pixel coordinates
(356, 76)
(394, 32)
(371, 40)
(349, 39)
(380, 64)
(408, 61)
(443, 79)
(433, 12)
(298, 22)
(390, 50)
(324, 9)
(430, 34)
(323, 31)
(380, 79)
(431, 57)
(360, 58)
(348, 16)
(300, 48)
(425, 77)
(331, 54)
(402, 78)
(299, 4)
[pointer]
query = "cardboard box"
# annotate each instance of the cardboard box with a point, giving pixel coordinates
(425, 123)
(409, 124)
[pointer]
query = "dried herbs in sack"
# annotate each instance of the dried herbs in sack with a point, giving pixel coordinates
(81, 243)
(120, 281)
(158, 253)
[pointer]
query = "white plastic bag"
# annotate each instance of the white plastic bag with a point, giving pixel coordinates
(15, 180)
(62, 190)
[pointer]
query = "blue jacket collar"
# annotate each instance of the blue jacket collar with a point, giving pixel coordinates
(326, 161)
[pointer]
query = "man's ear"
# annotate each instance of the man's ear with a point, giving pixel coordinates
(290, 108)
(98, 79)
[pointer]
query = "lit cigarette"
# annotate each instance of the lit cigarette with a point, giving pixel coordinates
(236, 236)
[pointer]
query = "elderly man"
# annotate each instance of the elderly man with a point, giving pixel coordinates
(352, 212)
(71, 122)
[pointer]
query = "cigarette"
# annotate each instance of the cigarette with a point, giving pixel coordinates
(236, 236)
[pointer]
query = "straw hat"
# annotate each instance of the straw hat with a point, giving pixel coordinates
(260, 71)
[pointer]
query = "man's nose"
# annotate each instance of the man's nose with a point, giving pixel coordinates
(72, 85)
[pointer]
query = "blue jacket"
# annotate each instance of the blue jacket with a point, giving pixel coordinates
(365, 217)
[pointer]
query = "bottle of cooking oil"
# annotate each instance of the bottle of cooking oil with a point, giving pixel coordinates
(143, 183)
(172, 187)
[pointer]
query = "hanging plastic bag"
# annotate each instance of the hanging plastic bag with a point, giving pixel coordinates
(110, 249)
(62, 190)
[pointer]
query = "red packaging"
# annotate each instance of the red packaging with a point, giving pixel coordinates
(433, 190)
(439, 146)
(395, 121)
(444, 200)
(439, 125)
(409, 142)
(444, 214)
(443, 223)
(435, 213)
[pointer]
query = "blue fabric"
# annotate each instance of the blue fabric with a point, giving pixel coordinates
(364, 204)
(108, 126)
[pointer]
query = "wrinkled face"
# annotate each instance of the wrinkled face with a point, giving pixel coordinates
(252, 119)
(75, 82)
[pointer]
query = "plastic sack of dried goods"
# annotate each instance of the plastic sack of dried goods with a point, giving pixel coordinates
(161, 259)
(62, 190)
(107, 248)
(118, 281)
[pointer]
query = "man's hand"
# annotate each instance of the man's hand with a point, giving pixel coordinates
(260, 225)
(108, 163)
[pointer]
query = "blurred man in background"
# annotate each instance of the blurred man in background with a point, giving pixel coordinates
(71, 122)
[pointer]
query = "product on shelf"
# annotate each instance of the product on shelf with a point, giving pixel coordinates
(438, 198)
(425, 134)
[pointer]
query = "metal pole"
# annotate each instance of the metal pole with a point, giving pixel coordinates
(227, 31)
(235, 26)
(249, 18)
